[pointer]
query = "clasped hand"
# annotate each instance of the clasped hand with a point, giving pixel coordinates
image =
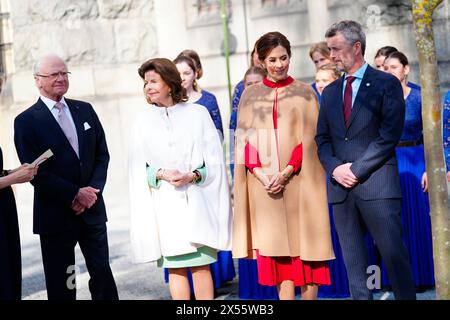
(344, 176)
(85, 199)
(272, 185)
(176, 178)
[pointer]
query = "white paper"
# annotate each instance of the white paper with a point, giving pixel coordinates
(47, 154)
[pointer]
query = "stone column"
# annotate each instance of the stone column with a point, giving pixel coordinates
(319, 19)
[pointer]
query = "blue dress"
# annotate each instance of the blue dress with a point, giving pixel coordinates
(446, 129)
(233, 120)
(223, 269)
(210, 102)
(413, 85)
(313, 85)
(415, 213)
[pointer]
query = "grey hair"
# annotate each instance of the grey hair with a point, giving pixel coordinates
(36, 67)
(39, 61)
(351, 31)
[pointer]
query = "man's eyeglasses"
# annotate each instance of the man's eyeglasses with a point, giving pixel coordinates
(55, 75)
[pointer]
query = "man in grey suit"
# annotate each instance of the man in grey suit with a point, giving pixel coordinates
(360, 122)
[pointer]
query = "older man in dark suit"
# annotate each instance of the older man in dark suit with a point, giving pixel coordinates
(360, 123)
(68, 202)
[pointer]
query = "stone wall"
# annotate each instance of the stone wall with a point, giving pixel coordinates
(84, 32)
(104, 42)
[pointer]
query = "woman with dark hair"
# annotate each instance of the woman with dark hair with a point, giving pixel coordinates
(193, 55)
(381, 55)
(179, 194)
(411, 165)
(10, 256)
(191, 73)
(281, 211)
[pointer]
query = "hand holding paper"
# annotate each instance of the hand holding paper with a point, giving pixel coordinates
(24, 173)
(47, 154)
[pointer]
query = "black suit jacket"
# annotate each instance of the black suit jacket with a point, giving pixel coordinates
(375, 126)
(60, 177)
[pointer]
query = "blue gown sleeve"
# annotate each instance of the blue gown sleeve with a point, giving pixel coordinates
(235, 103)
(215, 114)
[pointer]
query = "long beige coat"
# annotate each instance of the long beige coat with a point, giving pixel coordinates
(294, 222)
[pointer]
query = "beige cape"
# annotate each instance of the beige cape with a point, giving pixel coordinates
(294, 222)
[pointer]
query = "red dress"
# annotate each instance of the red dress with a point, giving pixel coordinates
(274, 270)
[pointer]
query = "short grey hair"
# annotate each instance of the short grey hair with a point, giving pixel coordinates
(350, 30)
(37, 64)
(36, 67)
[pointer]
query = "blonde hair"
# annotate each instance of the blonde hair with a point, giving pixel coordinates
(331, 67)
(320, 47)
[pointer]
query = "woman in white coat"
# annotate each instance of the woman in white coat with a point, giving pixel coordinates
(179, 194)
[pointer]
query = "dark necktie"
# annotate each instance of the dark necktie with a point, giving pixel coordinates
(348, 99)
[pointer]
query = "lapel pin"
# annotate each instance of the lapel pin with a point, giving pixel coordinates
(368, 84)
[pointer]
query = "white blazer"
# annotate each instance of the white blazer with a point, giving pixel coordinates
(170, 221)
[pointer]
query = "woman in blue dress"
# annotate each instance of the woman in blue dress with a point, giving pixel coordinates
(198, 95)
(187, 62)
(446, 132)
(411, 164)
(381, 55)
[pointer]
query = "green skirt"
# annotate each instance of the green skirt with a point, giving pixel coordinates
(204, 256)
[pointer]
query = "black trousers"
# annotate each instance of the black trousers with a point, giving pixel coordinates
(58, 255)
(353, 218)
(10, 256)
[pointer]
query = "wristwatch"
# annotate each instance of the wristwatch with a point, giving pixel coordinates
(197, 176)
(4, 173)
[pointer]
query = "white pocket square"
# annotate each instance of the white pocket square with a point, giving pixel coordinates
(86, 126)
